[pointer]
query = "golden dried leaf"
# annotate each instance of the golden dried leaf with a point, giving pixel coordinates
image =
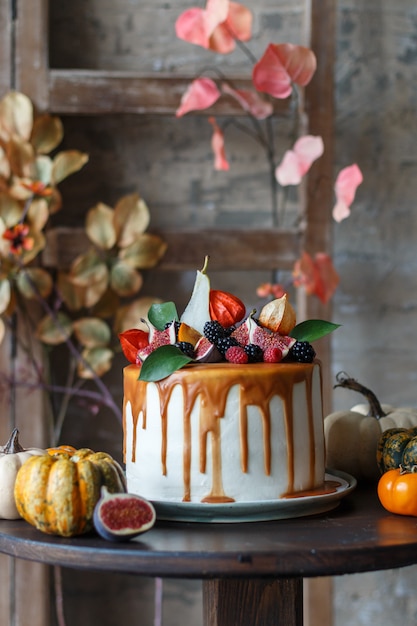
(125, 280)
(39, 242)
(99, 226)
(99, 359)
(107, 305)
(2, 330)
(145, 252)
(5, 293)
(47, 133)
(34, 281)
(66, 163)
(73, 295)
(38, 213)
(55, 201)
(92, 332)
(53, 332)
(43, 169)
(10, 210)
(87, 267)
(16, 116)
(4, 164)
(131, 218)
(129, 316)
(21, 158)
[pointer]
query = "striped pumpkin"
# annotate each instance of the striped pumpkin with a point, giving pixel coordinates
(57, 493)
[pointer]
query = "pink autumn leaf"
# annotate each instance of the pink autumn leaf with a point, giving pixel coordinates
(197, 25)
(266, 290)
(318, 276)
(238, 25)
(217, 144)
(201, 94)
(250, 101)
(345, 187)
(280, 66)
(296, 162)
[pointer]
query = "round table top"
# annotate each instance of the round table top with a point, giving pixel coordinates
(357, 536)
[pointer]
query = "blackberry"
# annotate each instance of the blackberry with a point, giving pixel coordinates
(213, 331)
(224, 343)
(177, 325)
(254, 352)
(186, 347)
(303, 352)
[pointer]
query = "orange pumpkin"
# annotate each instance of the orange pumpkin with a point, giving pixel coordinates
(225, 308)
(57, 492)
(397, 491)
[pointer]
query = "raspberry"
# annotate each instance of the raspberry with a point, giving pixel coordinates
(303, 352)
(236, 354)
(272, 355)
(254, 352)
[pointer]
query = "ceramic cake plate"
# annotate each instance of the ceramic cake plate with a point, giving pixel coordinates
(234, 512)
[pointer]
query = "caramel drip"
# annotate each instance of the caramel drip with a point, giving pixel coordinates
(258, 383)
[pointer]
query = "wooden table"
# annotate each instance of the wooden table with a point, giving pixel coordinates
(252, 572)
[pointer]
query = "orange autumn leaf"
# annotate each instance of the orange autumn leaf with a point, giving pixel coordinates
(217, 144)
(317, 275)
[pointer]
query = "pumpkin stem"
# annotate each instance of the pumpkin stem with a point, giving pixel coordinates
(13, 445)
(375, 408)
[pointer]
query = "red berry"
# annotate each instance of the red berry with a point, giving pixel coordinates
(236, 354)
(273, 355)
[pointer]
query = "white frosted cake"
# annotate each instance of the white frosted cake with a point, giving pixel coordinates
(225, 432)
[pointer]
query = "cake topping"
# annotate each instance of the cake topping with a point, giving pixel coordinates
(214, 327)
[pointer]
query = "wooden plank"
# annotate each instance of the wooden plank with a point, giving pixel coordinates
(31, 54)
(260, 602)
(6, 47)
(318, 593)
(98, 92)
(318, 601)
(24, 596)
(228, 249)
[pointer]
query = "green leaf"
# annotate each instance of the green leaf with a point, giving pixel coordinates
(162, 362)
(161, 313)
(312, 329)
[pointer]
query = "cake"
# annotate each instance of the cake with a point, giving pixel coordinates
(222, 432)
(223, 406)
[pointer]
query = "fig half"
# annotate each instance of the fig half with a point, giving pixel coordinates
(122, 516)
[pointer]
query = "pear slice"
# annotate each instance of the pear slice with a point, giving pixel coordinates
(278, 316)
(197, 311)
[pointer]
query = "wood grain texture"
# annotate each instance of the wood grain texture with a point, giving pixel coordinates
(18, 579)
(253, 603)
(100, 92)
(357, 536)
(228, 249)
(31, 53)
(6, 47)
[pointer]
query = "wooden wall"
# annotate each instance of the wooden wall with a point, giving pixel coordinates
(375, 249)
(376, 103)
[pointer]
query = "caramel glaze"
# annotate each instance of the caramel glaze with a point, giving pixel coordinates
(258, 383)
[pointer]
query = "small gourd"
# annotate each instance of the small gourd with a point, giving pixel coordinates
(122, 516)
(57, 492)
(352, 436)
(397, 448)
(12, 456)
